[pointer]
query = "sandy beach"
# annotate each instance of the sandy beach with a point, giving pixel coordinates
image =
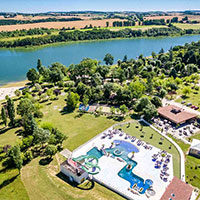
(10, 88)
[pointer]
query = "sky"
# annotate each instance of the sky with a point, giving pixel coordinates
(35, 6)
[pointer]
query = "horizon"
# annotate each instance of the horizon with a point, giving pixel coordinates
(38, 6)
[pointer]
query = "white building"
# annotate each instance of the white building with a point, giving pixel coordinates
(73, 171)
(195, 148)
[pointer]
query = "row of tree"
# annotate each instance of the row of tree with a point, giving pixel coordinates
(95, 34)
(51, 19)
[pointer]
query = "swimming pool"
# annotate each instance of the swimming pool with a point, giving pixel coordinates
(95, 152)
(121, 150)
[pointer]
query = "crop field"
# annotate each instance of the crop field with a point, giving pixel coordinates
(187, 26)
(163, 17)
(59, 25)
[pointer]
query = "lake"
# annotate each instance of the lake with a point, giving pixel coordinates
(14, 63)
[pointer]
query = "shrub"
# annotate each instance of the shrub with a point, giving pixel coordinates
(27, 156)
(47, 125)
(38, 114)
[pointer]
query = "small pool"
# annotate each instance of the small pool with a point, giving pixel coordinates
(95, 152)
(126, 145)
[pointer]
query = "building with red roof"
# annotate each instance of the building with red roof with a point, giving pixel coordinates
(177, 190)
(175, 114)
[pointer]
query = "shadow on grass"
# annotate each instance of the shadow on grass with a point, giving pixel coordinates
(135, 116)
(19, 132)
(66, 111)
(116, 118)
(79, 115)
(87, 185)
(184, 97)
(45, 161)
(4, 130)
(7, 182)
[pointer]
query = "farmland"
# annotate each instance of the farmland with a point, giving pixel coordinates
(59, 25)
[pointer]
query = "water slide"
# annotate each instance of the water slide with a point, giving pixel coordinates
(88, 164)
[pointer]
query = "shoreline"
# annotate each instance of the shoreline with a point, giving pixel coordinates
(83, 41)
(14, 84)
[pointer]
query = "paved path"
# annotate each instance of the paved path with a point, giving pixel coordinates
(188, 109)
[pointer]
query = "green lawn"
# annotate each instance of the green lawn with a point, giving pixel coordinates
(193, 97)
(11, 186)
(187, 26)
(132, 130)
(192, 164)
(41, 182)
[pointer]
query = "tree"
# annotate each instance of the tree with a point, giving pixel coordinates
(33, 75)
(156, 101)
(161, 51)
(56, 75)
(28, 123)
(4, 116)
(123, 109)
(85, 100)
(72, 100)
(11, 111)
(137, 89)
(57, 137)
(149, 111)
(141, 104)
(15, 156)
(162, 93)
(25, 107)
(186, 91)
(17, 93)
(108, 59)
(50, 150)
(41, 136)
(112, 110)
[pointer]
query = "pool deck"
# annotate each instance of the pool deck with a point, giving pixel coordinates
(110, 168)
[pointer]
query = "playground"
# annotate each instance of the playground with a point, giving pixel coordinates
(126, 164)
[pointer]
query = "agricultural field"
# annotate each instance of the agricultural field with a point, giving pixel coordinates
(187, 26)
(59, 25)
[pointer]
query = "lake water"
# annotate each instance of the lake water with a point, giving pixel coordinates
(14, 63)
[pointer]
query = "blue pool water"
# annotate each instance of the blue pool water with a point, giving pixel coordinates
(95, 152)
(121, 150)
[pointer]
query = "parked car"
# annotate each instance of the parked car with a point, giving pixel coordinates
(183, 102)
(196, 108)
(188, 104)
(193, 107)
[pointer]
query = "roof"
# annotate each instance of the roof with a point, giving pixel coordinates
(177, 190)
(175, 114)
(195, 144)
(73, 166)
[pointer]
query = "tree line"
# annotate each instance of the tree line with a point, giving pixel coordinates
(95, 34)
(24, 32)
(14, 22)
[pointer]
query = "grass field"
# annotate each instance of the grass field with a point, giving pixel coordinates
(187, 26)
(137, 27)
(155, 141)
(193, 97)
(192, 164)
